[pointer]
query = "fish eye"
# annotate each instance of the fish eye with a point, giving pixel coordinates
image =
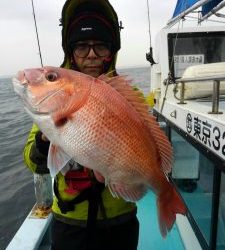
(51, 76)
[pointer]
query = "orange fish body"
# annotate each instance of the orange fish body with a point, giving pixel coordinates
(103, 124)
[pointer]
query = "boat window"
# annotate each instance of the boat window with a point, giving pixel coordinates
(195, 48)
(193, 176)
(221, 216)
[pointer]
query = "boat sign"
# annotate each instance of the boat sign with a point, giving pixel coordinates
(181, 62)
(205, 129)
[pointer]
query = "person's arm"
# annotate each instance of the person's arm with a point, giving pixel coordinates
(36, 151)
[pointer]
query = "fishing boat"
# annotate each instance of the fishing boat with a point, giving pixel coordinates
(188, 81)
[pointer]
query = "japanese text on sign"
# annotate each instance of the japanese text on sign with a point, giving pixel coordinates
(181, 62)
(211, 135)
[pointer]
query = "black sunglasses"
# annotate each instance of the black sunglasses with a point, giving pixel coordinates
(82, 50)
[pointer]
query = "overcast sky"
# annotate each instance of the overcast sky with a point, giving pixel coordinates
(18, 44)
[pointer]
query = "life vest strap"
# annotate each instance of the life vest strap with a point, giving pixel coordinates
(93, 195)
(90, 194)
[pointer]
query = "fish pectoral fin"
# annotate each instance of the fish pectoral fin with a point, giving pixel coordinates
(74, 103)
(127, 192)
(57, 159)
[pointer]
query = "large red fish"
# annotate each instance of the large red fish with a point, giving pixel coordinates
(102, 124)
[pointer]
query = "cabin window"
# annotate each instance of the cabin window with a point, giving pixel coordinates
(193, 176)
(195, 48)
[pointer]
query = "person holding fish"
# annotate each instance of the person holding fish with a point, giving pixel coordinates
(95, 134)
(86, 215)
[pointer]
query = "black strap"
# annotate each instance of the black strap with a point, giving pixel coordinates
(87, 194)
(93, 195)
(94, 200)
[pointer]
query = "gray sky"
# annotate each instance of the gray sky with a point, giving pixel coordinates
(18, 44)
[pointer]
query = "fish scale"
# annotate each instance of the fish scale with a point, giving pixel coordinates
(103, 152)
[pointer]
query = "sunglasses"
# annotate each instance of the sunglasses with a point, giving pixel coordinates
(100, 49)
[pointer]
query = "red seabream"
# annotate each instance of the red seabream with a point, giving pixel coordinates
(103, 124)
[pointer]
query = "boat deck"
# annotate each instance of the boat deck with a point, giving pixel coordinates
(150, 237)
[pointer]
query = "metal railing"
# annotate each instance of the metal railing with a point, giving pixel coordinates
(216, 89)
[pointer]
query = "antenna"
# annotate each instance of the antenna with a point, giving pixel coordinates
(35, 23)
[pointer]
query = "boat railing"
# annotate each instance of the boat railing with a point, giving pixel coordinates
(215, 92)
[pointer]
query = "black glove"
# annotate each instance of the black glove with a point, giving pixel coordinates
(41, 145)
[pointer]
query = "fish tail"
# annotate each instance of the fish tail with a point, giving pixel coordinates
(169, 204)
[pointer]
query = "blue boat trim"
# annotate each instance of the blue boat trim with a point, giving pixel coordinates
(184, 7)
(206, 8)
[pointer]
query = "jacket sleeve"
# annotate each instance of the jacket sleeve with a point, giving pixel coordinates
(36, 151)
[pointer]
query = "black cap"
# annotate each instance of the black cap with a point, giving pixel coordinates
(90, 27)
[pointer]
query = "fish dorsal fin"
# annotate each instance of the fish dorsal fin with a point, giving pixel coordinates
(137, 100)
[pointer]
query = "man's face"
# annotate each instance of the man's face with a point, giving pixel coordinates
(90, 55)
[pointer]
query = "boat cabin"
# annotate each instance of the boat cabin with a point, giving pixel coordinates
(188, 81)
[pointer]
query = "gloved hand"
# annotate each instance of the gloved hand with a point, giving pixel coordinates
(42, 143)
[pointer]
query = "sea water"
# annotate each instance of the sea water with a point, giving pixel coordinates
(16, 181)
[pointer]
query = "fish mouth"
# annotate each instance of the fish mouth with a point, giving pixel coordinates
(20, 86)
(20, 83)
